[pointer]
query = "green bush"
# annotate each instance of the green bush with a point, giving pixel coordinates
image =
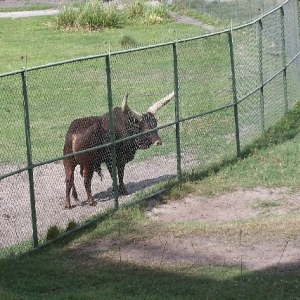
(136, 10)
(140, 12)
(92, 16)
(67, 17)
(95, 15)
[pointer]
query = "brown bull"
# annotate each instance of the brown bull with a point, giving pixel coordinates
(93, 131)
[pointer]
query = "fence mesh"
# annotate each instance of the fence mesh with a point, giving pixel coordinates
(236, 10)
(263, 71)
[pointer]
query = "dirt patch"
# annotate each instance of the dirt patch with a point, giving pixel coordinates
(228, 207)
(273, 253)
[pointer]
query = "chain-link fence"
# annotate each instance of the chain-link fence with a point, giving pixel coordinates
(238, 11)
(229, 87)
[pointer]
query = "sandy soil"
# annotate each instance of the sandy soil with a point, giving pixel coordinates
(274, 253)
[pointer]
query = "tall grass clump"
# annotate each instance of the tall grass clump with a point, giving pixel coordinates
(156, 14)
(67, 17)
(135, 10)
(140, 12)
(92, 15)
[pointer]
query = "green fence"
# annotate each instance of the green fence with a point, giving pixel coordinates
(229, 86)
(239, 11)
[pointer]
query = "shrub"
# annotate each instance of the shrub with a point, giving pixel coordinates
(67, 17)
(93, 16)
(136, 10)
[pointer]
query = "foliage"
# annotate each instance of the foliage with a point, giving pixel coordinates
(67, 17)
(95, 15)
(72, 224)
(140, 12)
(52, 232)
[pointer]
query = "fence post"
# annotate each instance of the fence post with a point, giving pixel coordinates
(286, 104)
(177, 115)
(236, 11)
(29, 158)
(112, 132)
(261, 77)
(235, 100)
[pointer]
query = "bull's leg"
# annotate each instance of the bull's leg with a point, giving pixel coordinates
(69, 166)
(87, 178)
(99, 171)
(74, 193)
(122, 189)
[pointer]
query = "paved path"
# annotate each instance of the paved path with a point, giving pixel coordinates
(33, 13)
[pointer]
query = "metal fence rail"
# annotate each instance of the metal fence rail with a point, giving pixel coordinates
(229, 87)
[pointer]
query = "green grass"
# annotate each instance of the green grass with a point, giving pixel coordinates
(30, 7)
(62, 93)
(49, 44)
(65, 85)
(237, 11)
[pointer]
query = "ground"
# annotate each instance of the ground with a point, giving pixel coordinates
(233, 248)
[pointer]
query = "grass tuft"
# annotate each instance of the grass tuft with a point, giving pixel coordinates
(94, 15)
(52, 233)
(127, 41)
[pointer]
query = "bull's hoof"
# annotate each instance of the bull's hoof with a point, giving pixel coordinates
(93, 203)
(123, 191)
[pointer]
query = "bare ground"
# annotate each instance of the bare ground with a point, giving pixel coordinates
(271, 253)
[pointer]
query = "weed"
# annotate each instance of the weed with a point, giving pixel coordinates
(52, 233)
(71, 225)
(127, 40)
(263, 204)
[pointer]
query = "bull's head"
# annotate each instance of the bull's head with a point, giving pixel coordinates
(147, 121)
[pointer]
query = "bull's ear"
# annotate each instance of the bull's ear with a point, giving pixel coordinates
(160, 103)
(131, 112)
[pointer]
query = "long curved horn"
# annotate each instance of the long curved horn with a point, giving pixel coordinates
(133, 113)
(160, 103)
